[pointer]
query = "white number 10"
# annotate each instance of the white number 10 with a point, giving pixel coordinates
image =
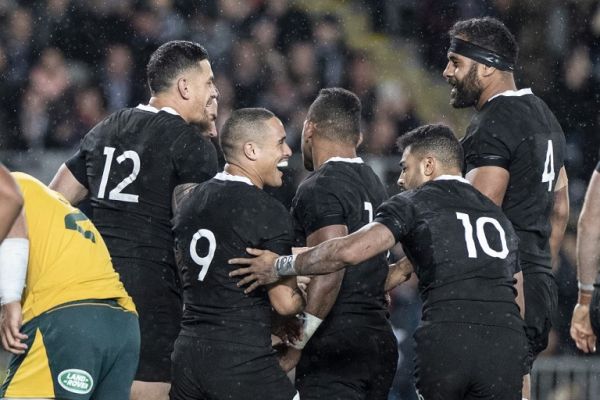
(481, 238)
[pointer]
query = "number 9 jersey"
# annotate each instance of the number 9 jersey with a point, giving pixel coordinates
(516, 130)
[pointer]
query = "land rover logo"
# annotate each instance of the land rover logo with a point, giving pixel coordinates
(76, 381)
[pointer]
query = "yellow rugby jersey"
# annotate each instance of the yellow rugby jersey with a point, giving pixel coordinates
(68, 260)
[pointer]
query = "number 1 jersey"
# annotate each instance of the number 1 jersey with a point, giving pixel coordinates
(130, 163)
(517, 131)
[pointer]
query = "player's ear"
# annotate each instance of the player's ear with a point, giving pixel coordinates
(251, 151)
(308, 129)
(360, 139)
(429, 165)
(486, 71)
(183, 88)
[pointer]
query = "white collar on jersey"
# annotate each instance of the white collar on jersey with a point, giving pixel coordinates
(148, 107)
(225, 176)
(356, 160)
(452, 178)
(512, 93)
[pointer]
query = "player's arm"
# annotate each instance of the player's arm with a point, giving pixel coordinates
(66, 184)
(560, 214)
(14, 257)
(398, 273)
(11, 201)
(492, 181)
(329, 256)
(520, 299)
(588, 260)
(285, 297)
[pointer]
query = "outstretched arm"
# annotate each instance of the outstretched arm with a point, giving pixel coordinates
(588, 259)
(329, 256)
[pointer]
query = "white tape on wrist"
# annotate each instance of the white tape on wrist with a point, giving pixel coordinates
(585, 286)
(14, 256)
(310, 325)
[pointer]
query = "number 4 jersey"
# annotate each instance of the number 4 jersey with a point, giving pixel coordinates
(130, 163)
(217, 221)
(463, 249)
(516, 130)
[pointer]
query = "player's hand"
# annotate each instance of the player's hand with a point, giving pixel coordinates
(261, 270)
(288, 358)
(11, 320)
(288, 329)
(581, 329)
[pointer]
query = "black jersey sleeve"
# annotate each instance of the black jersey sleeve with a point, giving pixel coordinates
(398, 214)
(278, 232)
(194, 158)
(317, 206)
(77, 165)
(487, 147)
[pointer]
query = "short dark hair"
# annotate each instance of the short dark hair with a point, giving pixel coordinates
(169, 60)
(489, 33)
(336, 112)
(243, 124)
(436, 138)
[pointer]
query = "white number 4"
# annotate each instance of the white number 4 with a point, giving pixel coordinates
(548, 174)
(205, 261)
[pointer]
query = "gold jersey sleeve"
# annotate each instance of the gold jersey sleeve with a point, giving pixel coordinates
(68, 260)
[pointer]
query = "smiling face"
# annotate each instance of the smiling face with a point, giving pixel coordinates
(273, 150)
(201, 92)
(461, 73)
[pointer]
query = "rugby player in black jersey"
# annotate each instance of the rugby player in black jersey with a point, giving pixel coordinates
(129, 165)
(464, 252)
(224, 348)
(585, 323)
(514, 154)
(353, 351)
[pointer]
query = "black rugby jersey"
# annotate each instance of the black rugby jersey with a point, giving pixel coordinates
(217, 221)
(518, 132)
(346, 192)
(463, 249)
(130, 163)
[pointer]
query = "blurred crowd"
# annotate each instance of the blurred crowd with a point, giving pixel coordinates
(67, 64)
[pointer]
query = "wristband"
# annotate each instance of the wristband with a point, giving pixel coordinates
(588, 287)
(284, 265)
(310, 324)
(14, 256)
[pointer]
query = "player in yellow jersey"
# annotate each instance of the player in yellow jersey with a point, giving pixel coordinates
(11, 201)
(71, 326)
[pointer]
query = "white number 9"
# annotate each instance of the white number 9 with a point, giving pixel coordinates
(205, 261)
